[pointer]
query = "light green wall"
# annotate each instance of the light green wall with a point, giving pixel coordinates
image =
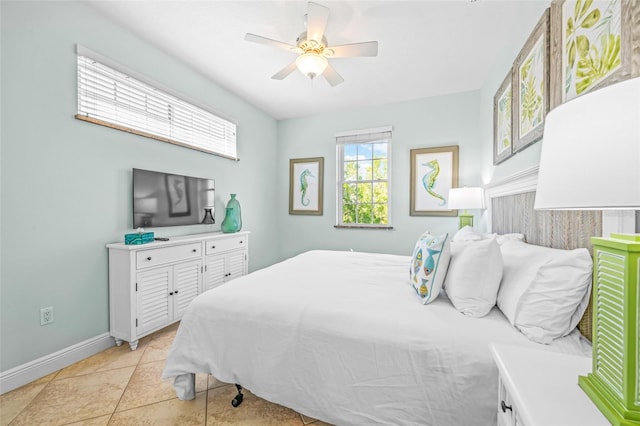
(530, 13)
(430, 122)
(464, 119)
(65, 183)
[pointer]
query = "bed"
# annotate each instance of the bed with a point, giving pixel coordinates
(341, 337)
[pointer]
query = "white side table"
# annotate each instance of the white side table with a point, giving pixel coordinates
(540, 388)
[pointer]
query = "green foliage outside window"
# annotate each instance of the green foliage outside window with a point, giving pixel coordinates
(365, 189)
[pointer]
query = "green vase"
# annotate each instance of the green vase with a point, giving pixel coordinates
(233, 218)
(237, 213)
(229, 224)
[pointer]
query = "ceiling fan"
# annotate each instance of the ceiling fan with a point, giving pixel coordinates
(313, 50)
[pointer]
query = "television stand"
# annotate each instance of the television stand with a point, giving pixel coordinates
(151, 285)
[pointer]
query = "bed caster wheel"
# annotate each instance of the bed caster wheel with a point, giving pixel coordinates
(237, 400)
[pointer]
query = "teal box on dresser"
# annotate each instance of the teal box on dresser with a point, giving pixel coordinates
(139, 238)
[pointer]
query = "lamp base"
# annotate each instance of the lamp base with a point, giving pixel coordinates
(606, 403)
(465, 220)
(612, 383)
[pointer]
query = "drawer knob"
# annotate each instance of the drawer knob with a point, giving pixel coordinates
(240, 242)
(194, 250)
(171, 294)
(505, 407)
(213, 247)
(149, 258)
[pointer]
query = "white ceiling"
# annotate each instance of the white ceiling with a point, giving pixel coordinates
(426, 48)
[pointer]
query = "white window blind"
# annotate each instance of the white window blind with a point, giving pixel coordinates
(116, 99)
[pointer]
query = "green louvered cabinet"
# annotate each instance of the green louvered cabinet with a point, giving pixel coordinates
(614, 383)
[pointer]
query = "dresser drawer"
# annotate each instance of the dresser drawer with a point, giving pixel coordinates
(505, 406)
(159, 256)
(224, 244)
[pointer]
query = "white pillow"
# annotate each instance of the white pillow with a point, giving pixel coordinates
(474, 275)
(429, 265)
(501, 239)
(467, 233)
(544, 291)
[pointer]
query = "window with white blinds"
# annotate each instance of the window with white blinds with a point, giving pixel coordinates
(116, 99)
(363, 183)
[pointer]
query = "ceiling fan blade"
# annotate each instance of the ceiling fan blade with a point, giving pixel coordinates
(317, 17)
(280, 75)
(269, 42)
(368, 48)
(333, 78)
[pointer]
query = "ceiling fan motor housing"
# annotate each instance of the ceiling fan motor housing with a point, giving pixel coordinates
(312, 46)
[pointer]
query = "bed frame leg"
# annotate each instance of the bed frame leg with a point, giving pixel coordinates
(238, 399)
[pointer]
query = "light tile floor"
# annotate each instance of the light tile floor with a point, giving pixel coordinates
(123, 387)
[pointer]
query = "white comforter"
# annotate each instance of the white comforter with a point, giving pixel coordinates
(342, 337)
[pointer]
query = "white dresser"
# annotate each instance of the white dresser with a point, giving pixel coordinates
(540, 388)
(151, 285)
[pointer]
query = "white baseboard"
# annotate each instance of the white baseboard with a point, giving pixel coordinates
(27, 373)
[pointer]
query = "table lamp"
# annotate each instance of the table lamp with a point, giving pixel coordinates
(590, 160)
(466, 198)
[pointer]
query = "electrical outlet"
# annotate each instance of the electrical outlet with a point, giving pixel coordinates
(46, 315)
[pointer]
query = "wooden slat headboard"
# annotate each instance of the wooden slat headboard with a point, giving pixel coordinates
(560, 229)
(511, 210)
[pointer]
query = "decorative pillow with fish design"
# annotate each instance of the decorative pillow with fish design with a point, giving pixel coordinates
(429, 265)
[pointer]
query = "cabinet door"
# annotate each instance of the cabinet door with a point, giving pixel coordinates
(235, 264)
(214, 271)
(153, 306)
(186, 284)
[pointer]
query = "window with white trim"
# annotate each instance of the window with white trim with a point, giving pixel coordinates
(364, 170)
(115, 98)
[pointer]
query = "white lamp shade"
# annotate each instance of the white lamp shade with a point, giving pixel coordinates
(466, 198)
(591, 152)
(311, 64)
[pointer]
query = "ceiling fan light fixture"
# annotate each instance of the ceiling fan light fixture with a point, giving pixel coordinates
(311, 64)
(313, 49)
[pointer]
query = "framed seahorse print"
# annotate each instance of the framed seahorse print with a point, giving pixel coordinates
(434, 171)
(306, 185)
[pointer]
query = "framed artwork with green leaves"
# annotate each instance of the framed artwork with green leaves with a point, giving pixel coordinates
(502, 122)
(530, 82)
(594, 45)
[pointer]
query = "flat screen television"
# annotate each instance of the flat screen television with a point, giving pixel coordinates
(165, 199)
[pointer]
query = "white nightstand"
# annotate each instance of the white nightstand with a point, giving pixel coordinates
(540, 388)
